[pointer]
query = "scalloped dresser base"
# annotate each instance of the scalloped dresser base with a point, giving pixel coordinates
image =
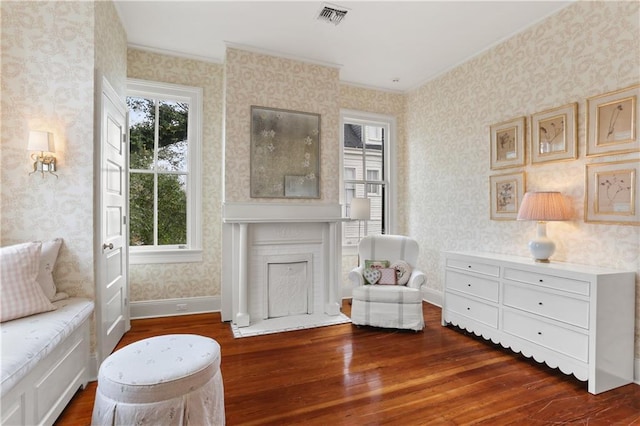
(576, 318)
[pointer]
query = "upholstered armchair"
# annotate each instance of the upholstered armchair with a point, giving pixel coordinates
(388, 305)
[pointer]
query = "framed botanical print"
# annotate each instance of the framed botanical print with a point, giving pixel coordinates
(612, 193)
(508, 144)
(612, 122)
(554, 134)
(506, 192)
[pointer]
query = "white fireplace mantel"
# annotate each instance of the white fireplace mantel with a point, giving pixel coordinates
(252, 228)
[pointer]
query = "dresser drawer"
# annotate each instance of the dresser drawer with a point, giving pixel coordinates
(475, 286)
(474, 266)
(478, 311)
(554, 337)
(544, 280)
(562, 308)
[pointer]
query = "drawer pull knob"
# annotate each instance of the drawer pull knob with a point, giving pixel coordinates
(468, 266)
(468, 309)
(541, 280)
(468, 285)
(539, 333)
(540, 303)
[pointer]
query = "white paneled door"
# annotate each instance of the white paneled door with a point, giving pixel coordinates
(112, 253)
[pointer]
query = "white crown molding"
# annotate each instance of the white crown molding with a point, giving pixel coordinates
(174, 53)
(376, 88)
(253, 49)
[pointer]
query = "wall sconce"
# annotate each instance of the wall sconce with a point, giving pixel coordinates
(43, 142)
(543, 207)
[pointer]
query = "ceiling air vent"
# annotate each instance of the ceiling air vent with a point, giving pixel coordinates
(332, 14)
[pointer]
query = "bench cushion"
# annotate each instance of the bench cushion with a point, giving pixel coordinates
(27, 340)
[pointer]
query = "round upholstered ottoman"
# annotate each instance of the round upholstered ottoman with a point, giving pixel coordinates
(163, 380)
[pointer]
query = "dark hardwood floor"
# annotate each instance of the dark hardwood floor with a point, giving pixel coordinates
(344, 375)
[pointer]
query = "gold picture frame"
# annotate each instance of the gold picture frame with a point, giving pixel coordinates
(508, 144)
(612, 193)
(554, 135)
(506, 192)
(612, 122)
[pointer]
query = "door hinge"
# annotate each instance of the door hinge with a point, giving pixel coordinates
(124, 220)
(124, 138)
(126, 301)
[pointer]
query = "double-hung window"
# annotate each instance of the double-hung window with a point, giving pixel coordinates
(367, 166)
(165, 182)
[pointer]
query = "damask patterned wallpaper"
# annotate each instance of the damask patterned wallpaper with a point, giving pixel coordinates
(165, 281)
(587, 49)
(111, 46)
(49, 52)
(47, 83)
(269, 81)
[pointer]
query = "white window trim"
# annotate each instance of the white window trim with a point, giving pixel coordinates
(390, 158)
(193, 252)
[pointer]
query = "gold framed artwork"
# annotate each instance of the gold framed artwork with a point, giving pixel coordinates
(508, 144)
(612, 193)
(612, 122)
(285, 153)
(553, 134)
(506, 192)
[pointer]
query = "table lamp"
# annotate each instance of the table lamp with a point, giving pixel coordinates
(543, 207)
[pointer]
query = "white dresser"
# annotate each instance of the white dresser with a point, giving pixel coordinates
(577, 318)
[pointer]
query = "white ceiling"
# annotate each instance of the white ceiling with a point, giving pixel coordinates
(377, 42)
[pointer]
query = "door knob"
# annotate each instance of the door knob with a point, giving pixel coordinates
(107, 246)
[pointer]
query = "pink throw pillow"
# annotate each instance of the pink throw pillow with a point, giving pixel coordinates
(20, 293)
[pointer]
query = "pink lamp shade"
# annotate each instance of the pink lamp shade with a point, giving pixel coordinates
(543, 207)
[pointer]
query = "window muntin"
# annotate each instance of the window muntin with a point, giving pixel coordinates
(164, 172)
(364, 150)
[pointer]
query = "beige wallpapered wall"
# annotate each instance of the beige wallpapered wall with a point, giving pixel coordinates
(269, 81)
(586, 49)
(110, 47)
(47, 84)
(176, 280)
(49, 61)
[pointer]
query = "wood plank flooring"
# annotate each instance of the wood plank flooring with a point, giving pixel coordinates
(345, 375)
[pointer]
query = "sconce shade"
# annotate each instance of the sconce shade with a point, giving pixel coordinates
(544, 207)
(40, 141)
(360, 208)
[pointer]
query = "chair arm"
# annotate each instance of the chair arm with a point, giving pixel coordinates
(417, 279)
(356, 276)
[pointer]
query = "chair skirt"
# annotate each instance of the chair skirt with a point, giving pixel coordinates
(387, 307)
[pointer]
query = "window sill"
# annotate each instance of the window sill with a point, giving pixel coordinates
(140, 257)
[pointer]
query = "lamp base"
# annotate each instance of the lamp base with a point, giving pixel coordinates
(542, 247)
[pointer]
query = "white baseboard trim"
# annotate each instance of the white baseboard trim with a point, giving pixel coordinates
(432, 296)
(173, 307)
(93, 367)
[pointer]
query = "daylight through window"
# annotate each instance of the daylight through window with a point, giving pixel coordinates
(164, 146)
